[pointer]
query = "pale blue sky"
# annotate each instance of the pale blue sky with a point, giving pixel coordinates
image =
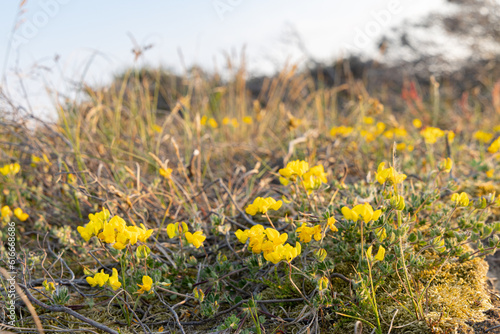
(202, 29)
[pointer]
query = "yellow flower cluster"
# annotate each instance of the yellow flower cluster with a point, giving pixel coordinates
(482, 136)
(306, 233)
(495, 146)
(166, 173)
(388, 174)
(179, 229)
(18, 212)
(379, 256)
(113, 231)
(270, 242)
(446, 165)
(212, 122)
(262, 205)
(361, 211)
(10, 169)
(314, 177)
(342, 130)
(102, 278)
(147, 284)
(461, 199)
(431, 134)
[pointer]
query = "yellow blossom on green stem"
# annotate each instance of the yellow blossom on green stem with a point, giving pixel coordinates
(431, 134)
(196, 238)
(388, 175)
(361, 211)
(263, 205)
(306, 233)
(147, 284)
(294, 169)
(98, 279)
(461, 199)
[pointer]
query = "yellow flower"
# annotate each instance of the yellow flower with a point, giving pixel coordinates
(195, 238)
(388, 174)
(225, 121)
(306, 233)
(174, 230)
(417, 123)
(22, 216)
(263, 205)
(343, 131)
(6, 211)
(451, 136)
(482, 136)
(431, 134)
(213, 123)
(247, 120)
(446, 165)
(147, 284)
(166, 173)
(283, 252)
(368, 120)
(363, 211)
(461, 199)
(331, 224)
(380, 254)
(203, 120)
(314, 177)
(113, 280)
(495, 146)
(490, 173)
(98, 279)
(49, 286)
(242, 235)
(10, 169)
(323, 283)
(294, 169)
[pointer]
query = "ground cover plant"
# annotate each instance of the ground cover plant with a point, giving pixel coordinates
(305, 209)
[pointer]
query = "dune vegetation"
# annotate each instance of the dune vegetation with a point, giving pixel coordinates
(163, 204)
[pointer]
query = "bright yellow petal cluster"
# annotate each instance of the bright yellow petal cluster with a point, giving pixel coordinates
(361, 211)
(482, 136)
(379, 256)
(388, 174)
(174, 230)
(446, 165)
(262, 205)
(331, 224)
(342, 130)
(98, 279)
(179, 229)
(461, 199)
(283, 252)
(166, 173)
(431, 134)
(294, 169)
(314, 177)
(147, 284)
(270, 242)
(306, 233)
(196, 238)
(495, 146)
(6, 211)
(113, 231)
(10, 169)
(22, 216)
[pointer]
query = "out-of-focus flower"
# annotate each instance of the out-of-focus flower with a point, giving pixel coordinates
(431, 134)
(342, 130)
(446, 165)
(461, 199)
